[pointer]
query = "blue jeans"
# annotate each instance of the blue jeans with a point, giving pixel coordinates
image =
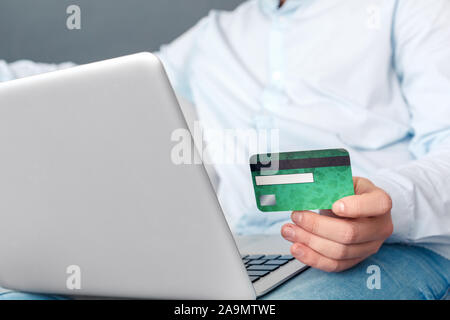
(406, 272)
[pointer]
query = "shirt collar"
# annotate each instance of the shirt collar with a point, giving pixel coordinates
(271, 7)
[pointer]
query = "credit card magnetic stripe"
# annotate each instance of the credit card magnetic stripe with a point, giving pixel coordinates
(286, 164)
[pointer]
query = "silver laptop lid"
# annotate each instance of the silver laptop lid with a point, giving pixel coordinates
(87, 186)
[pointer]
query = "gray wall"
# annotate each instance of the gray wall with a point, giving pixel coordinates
(36, 29)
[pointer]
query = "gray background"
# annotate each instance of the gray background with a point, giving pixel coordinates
(36, 29)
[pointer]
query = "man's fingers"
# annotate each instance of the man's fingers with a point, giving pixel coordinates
(314, 259)
(369, 201)
(362, 185)
(345, 231)
(328, 248)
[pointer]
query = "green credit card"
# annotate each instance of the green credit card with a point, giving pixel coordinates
(301, 180)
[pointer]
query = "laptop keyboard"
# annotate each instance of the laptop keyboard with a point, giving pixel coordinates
(260, 265)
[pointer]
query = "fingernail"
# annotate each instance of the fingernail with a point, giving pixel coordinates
(339, 207)
(298, 252)
(288, 233)
(298, 216)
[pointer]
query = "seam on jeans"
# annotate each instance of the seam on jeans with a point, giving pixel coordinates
(446, 294)
(427, 247)
(424, 297)
(430, 288)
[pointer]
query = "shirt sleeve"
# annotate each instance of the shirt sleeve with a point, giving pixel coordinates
(177, 55)
(26, 68)
(420, 189)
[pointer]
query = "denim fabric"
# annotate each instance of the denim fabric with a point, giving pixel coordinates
(407, 272)
(6, 294)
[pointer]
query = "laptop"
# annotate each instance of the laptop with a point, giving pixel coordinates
(93, 205)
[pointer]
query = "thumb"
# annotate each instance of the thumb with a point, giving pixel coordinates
(368, 201)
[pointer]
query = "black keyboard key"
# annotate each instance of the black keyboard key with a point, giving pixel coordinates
(243, 256)
(253, 262)
(286, 257)
(245, 261)
(255, 256)
(276, 262)
(253, 278)
(271, 256)
(263, 267)
(257, 273)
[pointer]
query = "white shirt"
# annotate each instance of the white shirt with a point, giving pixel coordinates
(369, 76)
(372, 76)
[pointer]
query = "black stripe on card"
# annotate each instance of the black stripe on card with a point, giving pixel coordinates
(303, 163)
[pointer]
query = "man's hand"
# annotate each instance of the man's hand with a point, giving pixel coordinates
(354, 229)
